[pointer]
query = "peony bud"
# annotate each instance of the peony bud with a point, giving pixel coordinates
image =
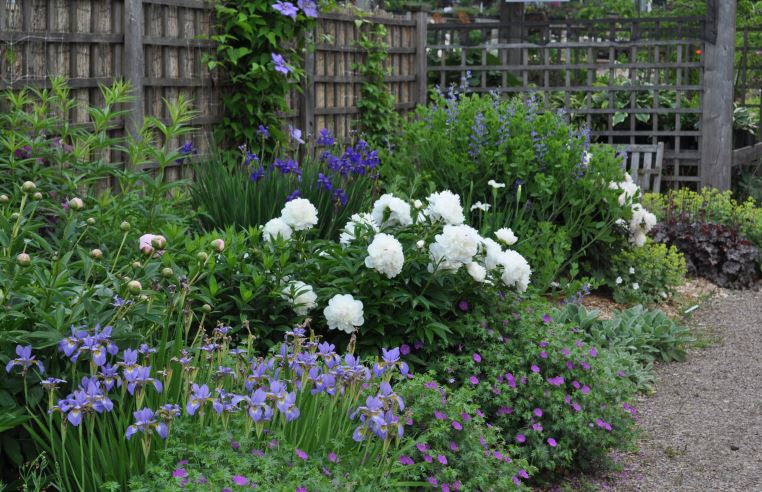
(166, 272)
(4, 199)
(76, 204)
(202, 257)
(206, 308)
(96, 254)
(23, 259)
(28, 187)
(159, 242)
(37, 196)
(136, 265)
(134, 286)
(124, 226)
(15, 216)
(91, 221)
(219, 245)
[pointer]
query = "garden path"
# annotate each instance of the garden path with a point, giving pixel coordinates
(702, 429)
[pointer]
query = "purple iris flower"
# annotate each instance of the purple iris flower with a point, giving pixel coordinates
(139, 377)
(169, 411)
(263, 131)
(110, 377)
(326, 138)
(340, 196)
(286, 8)
(145, 422)
(294, 195)
(280, 64)
(199, 396)
(256, 406)
(324, 181)
(50, 384)
(295, 134)
(25, 360)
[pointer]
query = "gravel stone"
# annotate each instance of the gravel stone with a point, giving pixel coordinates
(702, 429)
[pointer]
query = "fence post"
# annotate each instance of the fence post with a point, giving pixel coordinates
(134, 64)
(421, 15)
(717, 118)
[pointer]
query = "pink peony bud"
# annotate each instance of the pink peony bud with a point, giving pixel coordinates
(219, 245)
(150, 241)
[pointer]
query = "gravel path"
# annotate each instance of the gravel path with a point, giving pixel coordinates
(702, 429)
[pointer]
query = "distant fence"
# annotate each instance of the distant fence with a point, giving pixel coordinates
(633, 81)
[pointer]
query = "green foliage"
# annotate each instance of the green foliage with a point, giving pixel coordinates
(599, 9)
(261, 190)
(647, 335)
(647, 274)
(378, 115)
(550, 195)
(476, 454)
(712, 206)
(249, 33)
(524, 368)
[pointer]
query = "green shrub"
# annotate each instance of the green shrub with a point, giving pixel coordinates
(646, 275)
(559, 398)
(531, 170)
(338, 181)
(709, 206)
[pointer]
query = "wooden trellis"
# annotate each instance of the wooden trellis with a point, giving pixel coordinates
(632, 81)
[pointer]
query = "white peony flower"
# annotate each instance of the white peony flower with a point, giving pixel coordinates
(364, 220)
(301, 296)
(456, 246)
(642, 221)
(477, 272)
(506, 235)
(385, 255)
(276, 227)
(632, 270)
(516, 270)
(300, 214)
(495, 184)
(484, 207)
(390, 210)
(492, 251)
(635, 286)
(420, 244)
(445, 206)
(618, 280)
(344, 313)
(628, 187)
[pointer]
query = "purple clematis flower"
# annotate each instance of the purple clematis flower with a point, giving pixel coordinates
(286, 8)
(280, 64)
(309, 7)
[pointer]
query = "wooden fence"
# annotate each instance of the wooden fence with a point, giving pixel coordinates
(159, 47)
(632, 81)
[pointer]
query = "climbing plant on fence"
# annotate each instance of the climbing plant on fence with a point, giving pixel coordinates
(259, 48)
(377, 104)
